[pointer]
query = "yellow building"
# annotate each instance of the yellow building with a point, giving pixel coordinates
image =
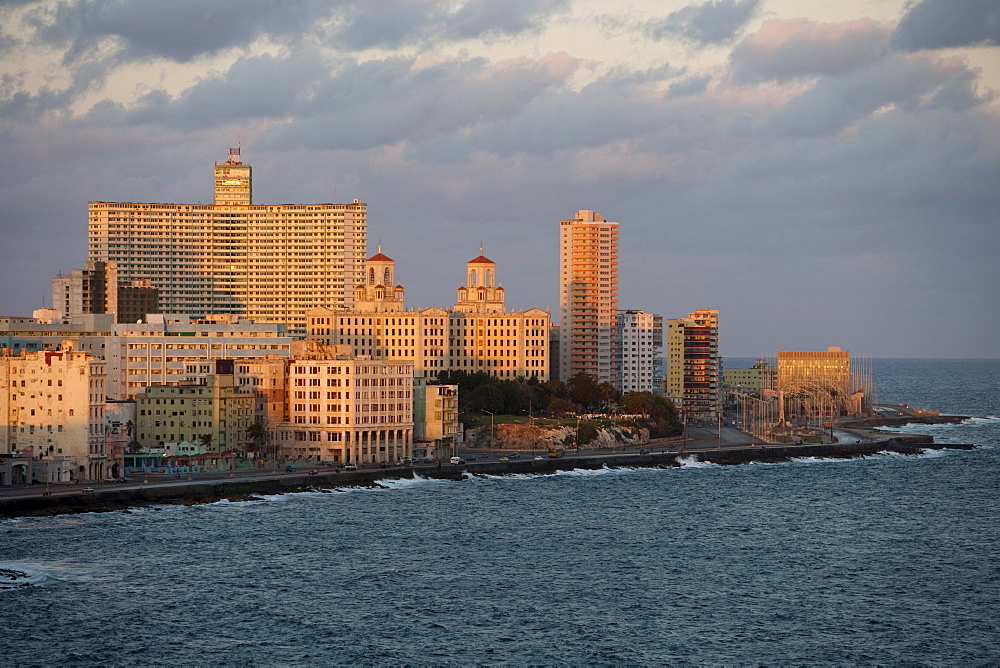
(268, 262)
(588, 296)
(52, 406)
(693, 364)
(477, 335)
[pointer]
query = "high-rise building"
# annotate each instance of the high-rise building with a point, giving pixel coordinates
(268, 262)
(693, 364)
(640, 345)
(588, 296)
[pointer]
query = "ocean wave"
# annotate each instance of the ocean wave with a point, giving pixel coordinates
(692, 462)
(18, 575)
(409, 483)
(927, 453)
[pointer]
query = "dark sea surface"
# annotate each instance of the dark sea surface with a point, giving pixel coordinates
(888, 560)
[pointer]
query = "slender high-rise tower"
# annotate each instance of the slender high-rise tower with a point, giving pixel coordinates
(588, 296)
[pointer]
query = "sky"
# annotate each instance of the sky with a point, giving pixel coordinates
(824, 173)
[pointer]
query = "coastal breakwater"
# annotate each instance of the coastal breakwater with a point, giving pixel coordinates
(192, 492)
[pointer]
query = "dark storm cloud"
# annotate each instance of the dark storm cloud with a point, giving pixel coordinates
(941, 24)
(709, 23)
(784, 49)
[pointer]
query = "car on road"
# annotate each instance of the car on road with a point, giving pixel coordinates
(351, 467)
(505, 459)
(538, 458)
(384, 465)
(87, 489)
(457, 460)
(289, 469)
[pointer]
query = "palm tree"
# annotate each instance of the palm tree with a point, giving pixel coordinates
(257, 435)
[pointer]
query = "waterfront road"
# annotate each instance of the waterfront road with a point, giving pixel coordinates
(701, 439)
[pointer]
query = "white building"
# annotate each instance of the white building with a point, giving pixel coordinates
(640, 345)
(140, 355)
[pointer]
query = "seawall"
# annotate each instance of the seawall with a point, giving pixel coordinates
(194, 492)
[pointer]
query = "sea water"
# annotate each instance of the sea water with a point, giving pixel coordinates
(887, 559)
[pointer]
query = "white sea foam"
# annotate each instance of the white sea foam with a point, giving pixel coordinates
(819, 460)
(692, 462)
(16, 575)
(408, 483)
(927, 453)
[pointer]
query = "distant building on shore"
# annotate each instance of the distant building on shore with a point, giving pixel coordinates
(694, 364)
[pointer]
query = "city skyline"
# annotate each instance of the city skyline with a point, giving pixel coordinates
(824, 176)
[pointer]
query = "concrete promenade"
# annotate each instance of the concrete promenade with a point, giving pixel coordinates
(206, 488)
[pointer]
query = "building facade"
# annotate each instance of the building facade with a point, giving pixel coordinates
(348, 409)
(93, 289)
(436, 428)
(477, 335)
(588, 296)
(52, 407)
(694, 365)
(215, 413)
(640, 345)
(270, 263)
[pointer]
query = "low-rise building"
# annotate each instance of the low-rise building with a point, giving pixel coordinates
(436, 428)
(216, 412)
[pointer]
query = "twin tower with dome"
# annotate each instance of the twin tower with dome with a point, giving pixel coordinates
(476, 335)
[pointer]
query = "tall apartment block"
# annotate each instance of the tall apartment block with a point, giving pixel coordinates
(640, 345)
(588, 296)
(268, 262)
(693, 364)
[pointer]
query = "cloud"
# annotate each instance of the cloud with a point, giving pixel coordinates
(396, 23)
(788, 48)
(908, 83)
(709, 23)
(179, 30)
(941, 24)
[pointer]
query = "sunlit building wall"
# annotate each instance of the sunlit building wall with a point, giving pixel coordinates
(270, 263)
(588, 296)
